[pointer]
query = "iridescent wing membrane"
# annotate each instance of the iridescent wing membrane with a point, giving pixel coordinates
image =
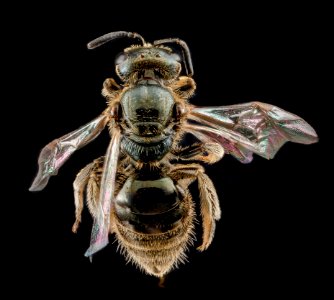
(56, 153)
(248, 128)
(100, 230)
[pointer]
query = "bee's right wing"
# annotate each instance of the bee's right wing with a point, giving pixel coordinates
(56, 153)
(101, 225)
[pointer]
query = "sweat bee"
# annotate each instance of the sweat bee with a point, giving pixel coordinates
(139, 191)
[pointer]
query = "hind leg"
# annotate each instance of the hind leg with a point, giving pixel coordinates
(93, 187)
(209, 203)
(79, 186)
(88, 178)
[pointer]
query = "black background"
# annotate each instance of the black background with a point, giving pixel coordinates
(269, 240)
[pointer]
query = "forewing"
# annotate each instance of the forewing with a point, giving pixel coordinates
(248, 128)
(100, 230)
(56, 153)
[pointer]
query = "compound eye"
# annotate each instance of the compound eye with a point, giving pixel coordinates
(121, 58)
(175, 57)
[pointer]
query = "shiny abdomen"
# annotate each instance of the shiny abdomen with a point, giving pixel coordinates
(153, 223)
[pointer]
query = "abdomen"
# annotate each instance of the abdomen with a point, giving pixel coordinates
(153, 223)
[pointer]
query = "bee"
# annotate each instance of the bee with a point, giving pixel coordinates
(139, 191)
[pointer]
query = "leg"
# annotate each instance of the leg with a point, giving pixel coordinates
(94, 182)
(110, 88)
(209, 203)
(89, 178)
(208, 153)
(210, 209)
(79, 185)
(93, 186)
(184, 87)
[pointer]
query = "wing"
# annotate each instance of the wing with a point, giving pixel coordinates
(99, 236)
(56, 153)
(248, 128)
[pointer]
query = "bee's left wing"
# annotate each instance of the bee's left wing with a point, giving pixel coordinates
(56, 153)
(248, 128)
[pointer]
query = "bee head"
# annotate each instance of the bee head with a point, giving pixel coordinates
(147, 63)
